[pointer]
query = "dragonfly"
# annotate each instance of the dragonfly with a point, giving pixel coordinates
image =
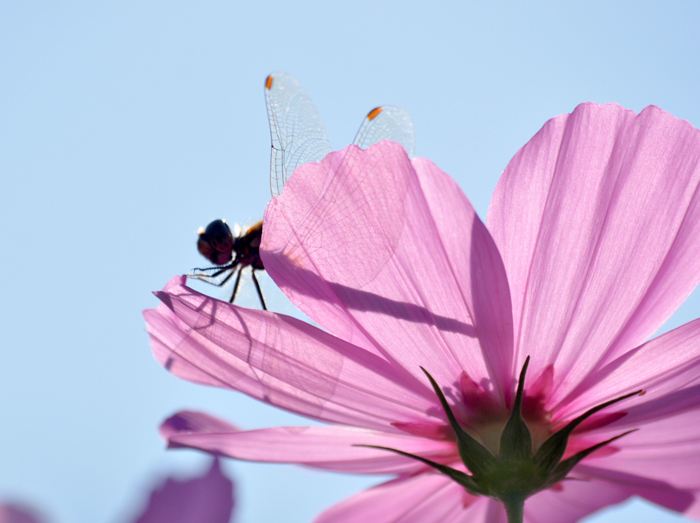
(298, 137)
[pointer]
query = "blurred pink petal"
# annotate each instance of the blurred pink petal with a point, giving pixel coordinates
(16, 513)
(208, 498)
(593, 241)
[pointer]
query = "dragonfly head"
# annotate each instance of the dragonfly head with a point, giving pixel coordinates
(215, 242)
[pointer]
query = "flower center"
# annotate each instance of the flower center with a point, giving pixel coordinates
(484, 417)
(513, 459)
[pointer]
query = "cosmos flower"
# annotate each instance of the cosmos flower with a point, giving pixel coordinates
(207, 498)
(592, 241)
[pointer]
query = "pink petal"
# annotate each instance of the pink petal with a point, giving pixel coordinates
(694, 510)
(664, 449)
(663, 452)
(167, 331)
(360, 242)
(656, 491)
(666, 368)
(667, 434)
(598, 222)
(483, 510)
(418, 499)
(190, 421)
(279, 360)
(15, 513)
(478, 268)
(430, 497)
(206, 498)
(570, 501)
(330, 448)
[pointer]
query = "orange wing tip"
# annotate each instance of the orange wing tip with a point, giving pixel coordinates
(374, 112)
(268, 82)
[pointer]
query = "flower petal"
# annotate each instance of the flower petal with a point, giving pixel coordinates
(598, 222)
(16, 513)
(332, 448)
(659, 492)
(570, 501)
(666, 368)
(194, 422)
(415, 499)
(663, 452)
(279, 360)
(365, 243)
(206, 498)
(478, 268)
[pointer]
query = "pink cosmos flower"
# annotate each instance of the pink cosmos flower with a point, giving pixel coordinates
(592, 241)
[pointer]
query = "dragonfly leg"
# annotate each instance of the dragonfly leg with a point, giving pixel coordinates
(235, 285)
(211, 279)
(226, 279)
(257, 287)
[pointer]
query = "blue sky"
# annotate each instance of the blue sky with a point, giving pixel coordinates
(125, 126)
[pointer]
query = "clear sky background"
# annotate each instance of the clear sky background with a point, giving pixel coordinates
(124, 126)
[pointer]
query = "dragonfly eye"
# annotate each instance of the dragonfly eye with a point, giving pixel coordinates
(215, 243)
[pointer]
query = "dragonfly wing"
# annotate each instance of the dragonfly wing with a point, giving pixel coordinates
(386, 123)
(297, 133)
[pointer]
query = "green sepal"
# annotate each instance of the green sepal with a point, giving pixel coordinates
(516, 441)
(552, 450)
(460, 477)
(514, 474)
(475, 456)
(564, 467)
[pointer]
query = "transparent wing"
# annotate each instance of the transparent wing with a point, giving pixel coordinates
(386, 123)
(296, 130)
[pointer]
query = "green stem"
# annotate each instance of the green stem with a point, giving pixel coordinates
(514, 509)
